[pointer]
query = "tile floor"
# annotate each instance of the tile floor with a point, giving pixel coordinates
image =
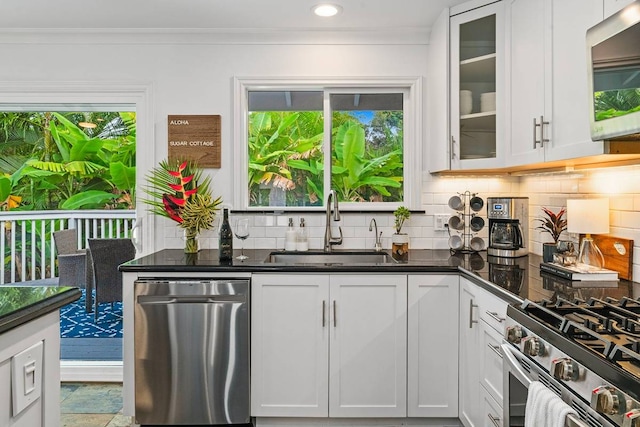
(92, 405)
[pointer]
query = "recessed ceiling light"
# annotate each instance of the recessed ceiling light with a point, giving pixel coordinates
(326, 10)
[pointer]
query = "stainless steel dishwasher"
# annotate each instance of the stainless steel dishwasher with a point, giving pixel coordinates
(191, 352)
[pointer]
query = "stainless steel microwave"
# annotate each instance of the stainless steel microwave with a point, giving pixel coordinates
(613, 59)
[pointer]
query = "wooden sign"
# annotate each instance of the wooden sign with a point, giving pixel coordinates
(195, 138)
(618, 254)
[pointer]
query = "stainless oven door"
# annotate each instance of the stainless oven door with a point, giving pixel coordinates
(519, 372)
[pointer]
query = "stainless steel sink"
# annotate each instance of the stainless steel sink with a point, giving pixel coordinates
(336, 257)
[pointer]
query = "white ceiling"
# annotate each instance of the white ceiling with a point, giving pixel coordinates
(219, 14)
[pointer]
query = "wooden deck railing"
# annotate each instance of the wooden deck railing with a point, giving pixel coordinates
(27, 244)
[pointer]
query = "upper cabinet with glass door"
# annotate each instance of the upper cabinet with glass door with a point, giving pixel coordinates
(477, 64)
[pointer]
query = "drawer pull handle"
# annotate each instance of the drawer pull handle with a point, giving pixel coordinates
(471, 307)
(494, 315)
(324, 309)
(335, 321)
(495, 421)
(495, 349)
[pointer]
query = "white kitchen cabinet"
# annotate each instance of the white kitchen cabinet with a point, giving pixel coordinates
(437, 86)
(368, 346)
(433, 345)
(469, 378)
(612, 6)
(337, 349)
(289, 345)
(481, 330)
(477, 88)
(491, 361)
(491, 411)
(547, 103)
(44, 410)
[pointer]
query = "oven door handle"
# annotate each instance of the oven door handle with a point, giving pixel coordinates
(515, 367)
(516, 370)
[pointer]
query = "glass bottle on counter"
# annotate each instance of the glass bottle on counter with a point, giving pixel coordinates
(225, 242)
(302, 241)
(290, 237)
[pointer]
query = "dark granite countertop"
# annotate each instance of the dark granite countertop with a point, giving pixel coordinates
(170, 260)
(20, 304)
(513, 279)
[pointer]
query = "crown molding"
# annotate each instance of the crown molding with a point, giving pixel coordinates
(250, 36)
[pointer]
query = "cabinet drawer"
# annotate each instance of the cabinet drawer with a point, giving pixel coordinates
(493, 311)
(491, 358)
(491, 410)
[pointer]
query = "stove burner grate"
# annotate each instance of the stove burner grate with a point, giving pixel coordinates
(607, 327)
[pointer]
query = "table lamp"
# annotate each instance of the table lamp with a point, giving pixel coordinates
(588, 216)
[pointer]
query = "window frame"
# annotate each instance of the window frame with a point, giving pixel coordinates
(411, 88)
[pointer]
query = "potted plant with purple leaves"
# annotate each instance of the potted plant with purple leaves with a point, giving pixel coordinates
(554, 224)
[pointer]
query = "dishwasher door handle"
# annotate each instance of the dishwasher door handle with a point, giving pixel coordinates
(204, 299)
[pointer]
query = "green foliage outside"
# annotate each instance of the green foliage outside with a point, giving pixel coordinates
(616, 103)
(285, 155)
(48, 162)
(53, 163)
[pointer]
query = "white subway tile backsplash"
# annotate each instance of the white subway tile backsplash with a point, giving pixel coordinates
(264, 220)
(274, 232)
(618, 184)
(420, 220)
(621, 203)
(267, 243)
(440, 243)
(548, 190)
(347, 231)
(283, 220)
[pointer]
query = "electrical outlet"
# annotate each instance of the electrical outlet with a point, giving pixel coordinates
(440, 222)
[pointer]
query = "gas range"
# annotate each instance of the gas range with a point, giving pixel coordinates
(591, 347)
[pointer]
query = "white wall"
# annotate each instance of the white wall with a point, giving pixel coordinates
(193, 75)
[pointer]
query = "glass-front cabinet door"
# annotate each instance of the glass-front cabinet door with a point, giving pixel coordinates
(477, 85)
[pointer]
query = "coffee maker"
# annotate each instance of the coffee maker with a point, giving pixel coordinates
(508, 226)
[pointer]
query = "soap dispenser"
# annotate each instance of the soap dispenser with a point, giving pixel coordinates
(302, 243)
(290, 237)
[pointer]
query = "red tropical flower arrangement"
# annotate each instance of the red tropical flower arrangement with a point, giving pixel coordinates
(179, 192)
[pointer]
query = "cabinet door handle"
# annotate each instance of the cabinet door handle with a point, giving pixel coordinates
(495, 421)
(471, 307)
(453, 148)
(335, 321)
(495, 316)
(324, 309)
(542, 138)
(535, 139)
(495, 349)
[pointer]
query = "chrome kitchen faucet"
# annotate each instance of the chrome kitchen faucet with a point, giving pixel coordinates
(373, 224)
(329, 240)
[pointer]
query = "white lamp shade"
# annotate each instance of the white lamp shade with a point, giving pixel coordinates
(588, 216)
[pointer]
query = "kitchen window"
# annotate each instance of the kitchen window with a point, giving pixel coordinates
(298, 140)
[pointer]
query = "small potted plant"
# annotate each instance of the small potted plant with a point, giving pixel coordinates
(399, 240)
(554, 224)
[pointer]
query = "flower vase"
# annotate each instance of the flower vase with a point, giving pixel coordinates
(548, 249)
(400, 247)
(191, 243)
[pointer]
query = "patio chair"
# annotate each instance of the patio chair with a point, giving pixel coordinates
(73, 269)
(106, 255)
